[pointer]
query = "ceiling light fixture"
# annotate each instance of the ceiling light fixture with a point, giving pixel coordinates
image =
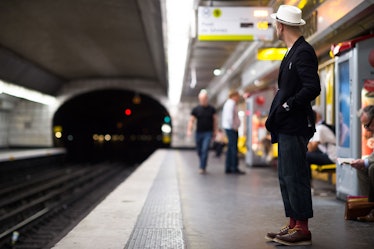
(193, 78)
(217, 72)
(178, 17)
(24, 93)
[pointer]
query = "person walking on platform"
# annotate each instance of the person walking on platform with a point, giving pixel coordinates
(231, 123)
(365, 167)
(291, 124)
(206, 118)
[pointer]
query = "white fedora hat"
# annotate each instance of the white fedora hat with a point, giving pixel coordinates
(289, 15)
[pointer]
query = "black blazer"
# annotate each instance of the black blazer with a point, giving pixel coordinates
(298, 85)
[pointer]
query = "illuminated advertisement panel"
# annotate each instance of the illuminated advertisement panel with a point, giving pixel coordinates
(344, 105)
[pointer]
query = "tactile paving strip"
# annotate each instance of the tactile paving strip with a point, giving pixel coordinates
(159, 224)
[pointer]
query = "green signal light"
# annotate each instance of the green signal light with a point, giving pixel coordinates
(167, 119)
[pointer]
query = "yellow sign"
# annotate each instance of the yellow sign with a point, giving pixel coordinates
(226, 37)
(271, 54)
(263, 25)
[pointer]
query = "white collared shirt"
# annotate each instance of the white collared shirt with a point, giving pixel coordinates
(230, 118)
(326, 139)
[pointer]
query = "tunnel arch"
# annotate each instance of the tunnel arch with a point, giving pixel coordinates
(111, 124)
(81, 86)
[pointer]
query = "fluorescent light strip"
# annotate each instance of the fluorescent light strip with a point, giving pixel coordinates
(193, 78)
(24, 93)
(178, 14)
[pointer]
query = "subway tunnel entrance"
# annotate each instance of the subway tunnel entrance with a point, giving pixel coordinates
(111, 125)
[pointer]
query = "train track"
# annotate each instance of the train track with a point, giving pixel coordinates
(39, 209)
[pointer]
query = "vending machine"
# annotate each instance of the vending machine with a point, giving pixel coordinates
(354, 72)
(258, 140)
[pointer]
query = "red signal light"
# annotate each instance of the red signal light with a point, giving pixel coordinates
(128, 112)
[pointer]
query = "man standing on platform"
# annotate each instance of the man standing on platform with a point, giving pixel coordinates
(206, 127)
(291, 124)
(231, 123)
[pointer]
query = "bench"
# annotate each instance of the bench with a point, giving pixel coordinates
(327, 168)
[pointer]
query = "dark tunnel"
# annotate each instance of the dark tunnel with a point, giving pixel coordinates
(111, 125)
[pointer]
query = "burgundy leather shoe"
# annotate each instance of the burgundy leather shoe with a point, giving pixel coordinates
(271, 236)
(367, 218)
(294, 237)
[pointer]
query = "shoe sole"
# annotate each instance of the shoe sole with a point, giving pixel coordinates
(267, 238)
(301, 243)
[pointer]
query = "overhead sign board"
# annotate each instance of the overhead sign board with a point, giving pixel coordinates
(234, 23)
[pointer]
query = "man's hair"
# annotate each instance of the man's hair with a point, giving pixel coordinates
(293, 29)
(368, 110)
(233, 92)
(203, 92)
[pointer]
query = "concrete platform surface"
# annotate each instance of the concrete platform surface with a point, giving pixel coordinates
(166, 203)
(14, 154)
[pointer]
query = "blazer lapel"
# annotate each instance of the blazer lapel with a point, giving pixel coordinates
(289, 54)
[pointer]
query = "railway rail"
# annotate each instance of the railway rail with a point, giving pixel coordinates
(41, 207)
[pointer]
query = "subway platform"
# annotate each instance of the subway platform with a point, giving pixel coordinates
(166, 203)
(7, 155)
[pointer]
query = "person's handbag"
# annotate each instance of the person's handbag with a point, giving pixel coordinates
(357, 206)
